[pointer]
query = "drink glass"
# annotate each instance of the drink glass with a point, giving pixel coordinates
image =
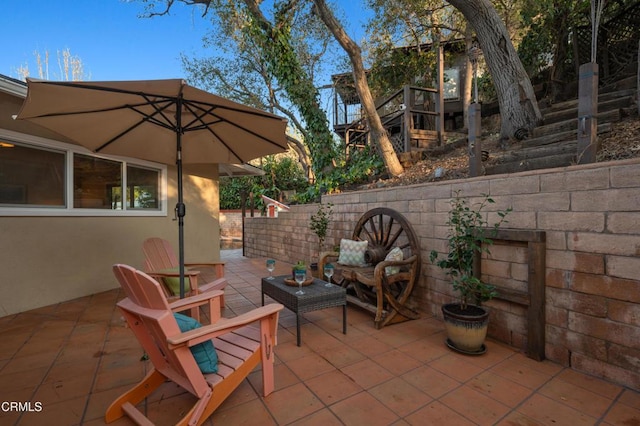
(300, 276)
(328, 271)
(271, 265)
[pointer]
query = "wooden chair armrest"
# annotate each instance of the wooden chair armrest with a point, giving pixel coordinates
(325, 256)
(382, 265)
(219, 283)
(195, 300)
(187, 273)
(218, 266)
(224, 325)
(212, 298)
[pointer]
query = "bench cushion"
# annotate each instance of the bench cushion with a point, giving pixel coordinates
(352, 252)
(394, 254)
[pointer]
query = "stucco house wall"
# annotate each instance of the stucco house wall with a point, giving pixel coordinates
(591, 217)
(46, 260)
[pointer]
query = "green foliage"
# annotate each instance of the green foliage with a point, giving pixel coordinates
(320, 222)
(281, 174)
(300, 266)
(281, 59)
(467, 238)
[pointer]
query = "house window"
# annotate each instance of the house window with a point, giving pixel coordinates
(31, 177)
(452, 84)
(97, 183)
(49, 178)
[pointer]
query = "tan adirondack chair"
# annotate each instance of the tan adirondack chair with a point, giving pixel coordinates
(241, 343)
(161, 262)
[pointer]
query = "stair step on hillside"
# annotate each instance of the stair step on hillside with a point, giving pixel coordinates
(563, 126)
(602, 97)
(562, 136)
(562, 160)
(603, 106)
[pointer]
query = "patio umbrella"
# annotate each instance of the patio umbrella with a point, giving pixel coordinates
(164, 121)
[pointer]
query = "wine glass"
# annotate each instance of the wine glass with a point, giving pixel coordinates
(271, 265)
(328, 271)
(300, 275)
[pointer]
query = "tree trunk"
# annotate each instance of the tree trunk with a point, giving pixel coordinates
(518, 104)
(377, 131)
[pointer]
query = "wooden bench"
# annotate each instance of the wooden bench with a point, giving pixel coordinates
(370, 287)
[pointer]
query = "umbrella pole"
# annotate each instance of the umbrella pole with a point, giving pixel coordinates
(180, 207)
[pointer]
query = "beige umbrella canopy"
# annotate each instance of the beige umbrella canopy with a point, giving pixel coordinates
(165, 121)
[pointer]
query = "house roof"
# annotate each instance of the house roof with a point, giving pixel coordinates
(13, 86)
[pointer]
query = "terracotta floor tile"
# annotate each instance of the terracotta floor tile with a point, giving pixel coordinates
(499, 388)
(369, 346)
(430, 381)
(396, 362)
(401, 375)
(426, 349)
(400, 397)
(550, 412)
(630, 398)
(437, 414)
(67, 412)
(283, 375)
(341, 356)
(519, 372)
(367, 373)
(251, 412)
(363, 409)
(455, 366)
(475, 405)
(622, 414)
(593, 384)
(310, 366)
(168, 411)
(323, 417)
(292, 403)
(100, 401)
(577, 397)
(332, 387)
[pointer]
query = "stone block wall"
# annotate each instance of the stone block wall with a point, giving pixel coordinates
(231, 224)
(591, 217)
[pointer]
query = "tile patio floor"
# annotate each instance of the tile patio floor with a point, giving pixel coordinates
(75, 358)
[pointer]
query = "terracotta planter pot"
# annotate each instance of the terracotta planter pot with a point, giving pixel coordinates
(466, 329)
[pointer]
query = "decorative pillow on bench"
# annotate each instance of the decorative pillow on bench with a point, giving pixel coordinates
(173, 283)
(394, 254)
(204, 353)
(352, 252)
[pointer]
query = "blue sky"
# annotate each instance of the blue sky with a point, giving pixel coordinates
(107, 35)
(112, 42)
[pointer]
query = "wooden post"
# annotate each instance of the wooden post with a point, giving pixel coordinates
(408, 119)
(440, 100)
(588, 113)
(475, 153)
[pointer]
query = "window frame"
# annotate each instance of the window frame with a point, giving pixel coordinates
(68, 209)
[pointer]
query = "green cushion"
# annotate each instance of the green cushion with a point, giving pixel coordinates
(352, 252)
(204, 353)
(173, 283)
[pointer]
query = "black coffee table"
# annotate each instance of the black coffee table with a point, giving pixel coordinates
(316, 296)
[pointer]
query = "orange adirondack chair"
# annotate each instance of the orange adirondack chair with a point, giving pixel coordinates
(161, 262)
(241, 344)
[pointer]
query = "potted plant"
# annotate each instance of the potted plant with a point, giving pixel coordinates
(319, 223)
(300, 266)
(469, 236)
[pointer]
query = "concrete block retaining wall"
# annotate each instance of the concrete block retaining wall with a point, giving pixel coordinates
(591, 216)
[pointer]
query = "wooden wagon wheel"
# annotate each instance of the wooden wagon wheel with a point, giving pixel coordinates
(384, 229)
